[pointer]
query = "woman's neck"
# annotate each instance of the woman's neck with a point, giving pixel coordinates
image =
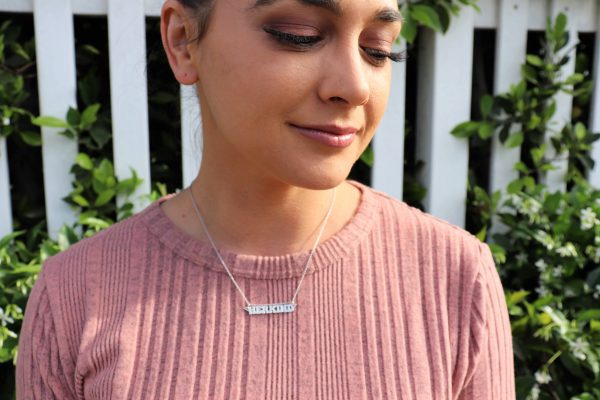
(261, 219)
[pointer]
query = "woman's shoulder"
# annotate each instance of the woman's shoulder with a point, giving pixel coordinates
(395, 214)
(126, 237)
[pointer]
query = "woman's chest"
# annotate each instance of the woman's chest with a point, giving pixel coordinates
(351, 337)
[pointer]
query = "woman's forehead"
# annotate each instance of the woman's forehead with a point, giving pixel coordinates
(383, 10)
(337, 6)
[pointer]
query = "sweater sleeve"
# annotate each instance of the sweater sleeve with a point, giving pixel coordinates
(492, 355)
(41, 360)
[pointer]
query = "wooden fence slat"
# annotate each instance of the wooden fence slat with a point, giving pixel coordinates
(5, 202)
(16, 6)
(594, 125)
(511, 48)
(388, 144)
(152, 7)
(555, 179)
(444, 88)
(191, 134)
(57, 82)
(129, 92)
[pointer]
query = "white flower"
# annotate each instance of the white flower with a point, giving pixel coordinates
(594, 253)
(534, 394)
(558, 271)
(541, 265)
(545, 239)
(588, 219)
(569, 292)
(542, 377)
(578, 348)
(5, 319)
(597, 292)
(530, 207)
(521, 258)
(517, 201)
(542, 291)
(568, 250)
(6, 121)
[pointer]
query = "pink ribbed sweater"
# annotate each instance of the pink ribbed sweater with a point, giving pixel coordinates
(399, 305)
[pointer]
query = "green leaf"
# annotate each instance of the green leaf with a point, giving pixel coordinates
(31, 138)
(427, 16)
(89, 115)
(409, 28)
(537, 154)
(51, 122)
(482, 234)
(589, 315)
(105, 197)
(485, 104)
(560, 25)
(486, 130)
(521, 167)
(513, 298)
(84, 161)
(73, 117)
(535, 60)
(580, 131)
(465, 129)
(514, 140)
(368, 157)
(80, 200)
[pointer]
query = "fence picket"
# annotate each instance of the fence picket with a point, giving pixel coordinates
(444, 99)
(5, 202)
(444, 87)
(511, 47)
(594, 125)
(129, 92)
(555, 179)
(388, 144)
(57, 82)
(191, 134)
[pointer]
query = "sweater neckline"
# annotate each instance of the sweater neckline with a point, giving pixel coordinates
(256, 266)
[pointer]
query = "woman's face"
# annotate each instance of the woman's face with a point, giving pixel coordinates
(293, 90)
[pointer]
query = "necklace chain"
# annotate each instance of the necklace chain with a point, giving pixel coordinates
(265, 308)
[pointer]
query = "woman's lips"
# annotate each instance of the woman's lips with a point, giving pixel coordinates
(330, 135)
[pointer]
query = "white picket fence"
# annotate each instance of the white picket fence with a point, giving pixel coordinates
(444, 95)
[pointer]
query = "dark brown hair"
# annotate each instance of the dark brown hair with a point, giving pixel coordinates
(202, 10)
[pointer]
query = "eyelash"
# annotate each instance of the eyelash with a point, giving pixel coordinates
(304, 42)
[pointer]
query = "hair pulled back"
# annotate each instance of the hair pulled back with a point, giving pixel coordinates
(202, 10)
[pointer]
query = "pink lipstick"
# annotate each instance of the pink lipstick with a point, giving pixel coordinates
(329, 135)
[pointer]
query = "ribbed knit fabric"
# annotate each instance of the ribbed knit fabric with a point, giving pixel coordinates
(397, 305)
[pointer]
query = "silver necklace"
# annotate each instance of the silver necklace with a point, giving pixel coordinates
(273, 308)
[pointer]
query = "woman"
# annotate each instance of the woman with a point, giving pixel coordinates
(272, 276)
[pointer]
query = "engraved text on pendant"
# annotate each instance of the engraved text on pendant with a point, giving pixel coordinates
(278, 308)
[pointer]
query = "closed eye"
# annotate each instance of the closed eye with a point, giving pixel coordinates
(299, 41)
(379, 56)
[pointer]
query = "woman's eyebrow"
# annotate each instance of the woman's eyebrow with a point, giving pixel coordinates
(330, 5)
(384, 15)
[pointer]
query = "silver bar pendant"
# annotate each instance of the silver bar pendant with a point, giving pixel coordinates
(277, 308)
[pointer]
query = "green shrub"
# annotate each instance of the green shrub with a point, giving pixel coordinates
(547, 244)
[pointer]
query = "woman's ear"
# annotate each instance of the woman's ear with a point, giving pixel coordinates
(176, 28)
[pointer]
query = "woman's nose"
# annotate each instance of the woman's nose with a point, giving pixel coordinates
(345, 78)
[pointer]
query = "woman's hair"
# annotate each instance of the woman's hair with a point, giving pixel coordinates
(202, 10)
